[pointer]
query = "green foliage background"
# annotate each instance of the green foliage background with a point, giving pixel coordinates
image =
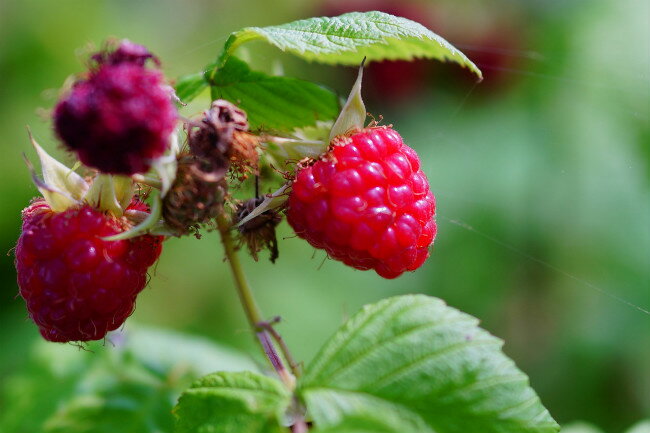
(542, 186)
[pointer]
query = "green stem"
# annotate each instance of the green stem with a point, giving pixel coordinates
(253, 313)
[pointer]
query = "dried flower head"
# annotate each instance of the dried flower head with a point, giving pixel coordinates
(258, 233)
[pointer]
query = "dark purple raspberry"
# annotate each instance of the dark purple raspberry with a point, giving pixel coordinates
(121, 116)
(78, 286)
(367, 203)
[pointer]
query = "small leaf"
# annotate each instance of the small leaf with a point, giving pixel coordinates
(353, 114)
(425, 362)
(241, 402)
(190, 86)
(347, 39)
(272, 102)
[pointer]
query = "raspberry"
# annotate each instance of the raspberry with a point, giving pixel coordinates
(120, 117)
(366, 203)
(78, 286)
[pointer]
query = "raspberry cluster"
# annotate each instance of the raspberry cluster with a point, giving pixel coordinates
(367, 203)
(78, 286)
(121, 116)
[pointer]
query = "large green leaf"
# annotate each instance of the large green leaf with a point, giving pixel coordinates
(347, 39)
(413, 357)
(363, 424)
(241, 402)
(359, 411)
(273, 102)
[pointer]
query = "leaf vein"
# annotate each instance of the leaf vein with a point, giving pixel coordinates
(429, 356)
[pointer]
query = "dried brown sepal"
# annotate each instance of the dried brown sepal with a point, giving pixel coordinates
(211, 138)
(222, 136)
(244, 158)
(258, 233)
(197, 195)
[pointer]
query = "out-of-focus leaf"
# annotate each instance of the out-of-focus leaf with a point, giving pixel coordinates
(347, 39)
(419, 360)
(580, 427)
(273, 102)
(152, 347)
(191, 86)
(243, 402)
(642, 427)
(127, 386)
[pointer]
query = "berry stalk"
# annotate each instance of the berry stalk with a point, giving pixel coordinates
(253, 312)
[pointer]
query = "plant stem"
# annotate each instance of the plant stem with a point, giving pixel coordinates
(271, 354)
(293, 365)
(253, 313)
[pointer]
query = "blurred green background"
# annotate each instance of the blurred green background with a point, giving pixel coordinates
(541, 175)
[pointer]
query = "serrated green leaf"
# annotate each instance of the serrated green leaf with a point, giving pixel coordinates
(347, 39)
(361, 425)
(243, 402)
(273, 102)
(416, 354)
(350, 409)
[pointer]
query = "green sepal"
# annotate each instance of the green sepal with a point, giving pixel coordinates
(110, 193)
(271, 201)
(167, 165)
(353, 114)
(148, 224)
(61, 186)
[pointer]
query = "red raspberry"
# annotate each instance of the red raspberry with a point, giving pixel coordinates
(120, 117)
(77, 286)
(367, 203)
